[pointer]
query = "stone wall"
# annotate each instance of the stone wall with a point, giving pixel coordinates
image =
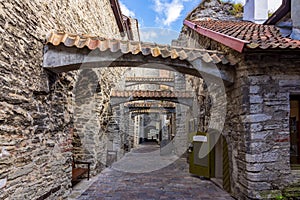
(269, 80)
(180, 141)
(93, 116)
(214, 10)
(203, 103)
(257, 122)
(36, 110)
(135, 29)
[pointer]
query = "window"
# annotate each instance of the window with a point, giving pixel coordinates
(295, 130)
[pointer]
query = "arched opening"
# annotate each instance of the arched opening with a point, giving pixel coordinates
(62, 54)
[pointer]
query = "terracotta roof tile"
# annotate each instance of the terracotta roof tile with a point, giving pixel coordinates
(258, 35)
(147, 111)
(134, 47)
(148, 79)
(150, 104)
(148, 94)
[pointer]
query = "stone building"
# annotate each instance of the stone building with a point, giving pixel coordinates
(56, 94)
(262, 118)
(56, 89)
(41, 112)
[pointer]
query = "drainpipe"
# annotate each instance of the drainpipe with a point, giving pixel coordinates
(295, 12)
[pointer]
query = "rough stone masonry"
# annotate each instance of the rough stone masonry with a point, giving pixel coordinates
(257, 120)
(36, 109)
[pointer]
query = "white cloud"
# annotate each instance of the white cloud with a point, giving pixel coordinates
(168, 11)
(158, 6)
(148, 35)
(126, 11)
(158, 35)
(173, 12)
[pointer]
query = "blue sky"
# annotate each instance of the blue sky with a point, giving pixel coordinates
(161, 20)
(160, 13)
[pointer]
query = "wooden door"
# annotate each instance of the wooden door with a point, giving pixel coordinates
(226, 167)
(201, 159)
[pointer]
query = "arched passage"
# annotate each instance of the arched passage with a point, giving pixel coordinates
(148, 83)
(65, 52)
(185, 98)
(133, 81)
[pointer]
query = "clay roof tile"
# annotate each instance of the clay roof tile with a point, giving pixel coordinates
(258, 36)
(134, 47)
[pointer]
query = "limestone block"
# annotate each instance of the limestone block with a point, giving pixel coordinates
(254, 118)
(21, 172)
(256, 99)
(289, 83)
(254, 89)
(256, 167)
(261, 135)
(256, 127)
(263, 157)
(256, 108)
(261, 176)
(3, 183)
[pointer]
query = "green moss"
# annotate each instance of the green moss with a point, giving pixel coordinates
(280, 197)
(273, 194)
(288, 193)
(291, 192)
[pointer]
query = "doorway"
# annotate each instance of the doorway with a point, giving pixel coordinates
(295, 131)
(215, 165)
(222, 168)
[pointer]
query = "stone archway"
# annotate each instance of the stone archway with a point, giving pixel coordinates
(65, 52)
(89, 141)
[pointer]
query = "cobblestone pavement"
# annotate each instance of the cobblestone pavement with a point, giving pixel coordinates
(171, 182)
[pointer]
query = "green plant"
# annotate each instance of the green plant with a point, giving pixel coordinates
(270, 13)
(280, 197)
(237, 8)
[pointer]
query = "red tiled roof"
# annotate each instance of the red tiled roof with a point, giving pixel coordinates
(246, 34)
(280, 13)
(147, 111)
(152, 94)
(149, 79)
(150, 105)
(135, 47)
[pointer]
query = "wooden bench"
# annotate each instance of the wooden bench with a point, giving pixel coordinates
(78, 172)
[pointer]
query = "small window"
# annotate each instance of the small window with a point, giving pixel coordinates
(295, 131)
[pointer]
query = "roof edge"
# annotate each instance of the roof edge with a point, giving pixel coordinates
(234, 43)
(282, 11)
(118, 16)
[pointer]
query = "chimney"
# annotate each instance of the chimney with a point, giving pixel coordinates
(256, 11)
(295, 12)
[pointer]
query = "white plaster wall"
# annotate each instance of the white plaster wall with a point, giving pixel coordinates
(296, 19)
(256, 11)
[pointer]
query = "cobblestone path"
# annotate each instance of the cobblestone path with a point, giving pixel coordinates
(171, 182)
